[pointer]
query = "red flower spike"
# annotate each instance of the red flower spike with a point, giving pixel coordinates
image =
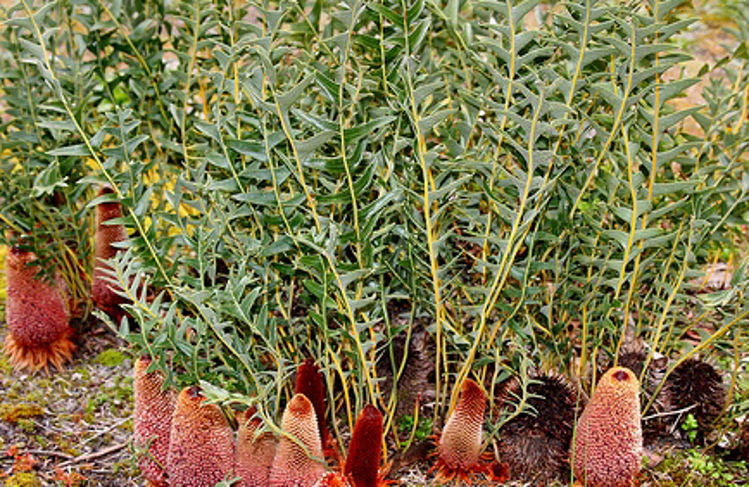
(254, 454)
(105, 298)
(293, 465)
(201, 448)
(37, 314)
(309, 381)
(459, 446)
(365, 449)
(608, 441)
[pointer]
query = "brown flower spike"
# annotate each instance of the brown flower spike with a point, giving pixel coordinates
(293, 466)
(201, 449)
(152, 421)
(459, 446)
(253, 454)
(364, 452)
(37, 314)
(608, 439)
(105, 298)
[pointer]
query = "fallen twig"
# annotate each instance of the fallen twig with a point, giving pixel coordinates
(43, 453)
(94, 455)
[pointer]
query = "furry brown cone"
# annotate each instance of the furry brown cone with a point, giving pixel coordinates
(696, 384)
(536, 443)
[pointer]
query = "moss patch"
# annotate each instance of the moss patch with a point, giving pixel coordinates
(110, 358)
(12, 413)
(24, 479)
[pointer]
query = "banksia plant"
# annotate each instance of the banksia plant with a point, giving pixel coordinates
(201, 447)
(459, 445)
(608, 439)
(152, 420)
(535, 444)
(696, 384)
(297, 460)
(105, 298)
(39, 333)
(253, 454)
(363, 460)
(309, 381)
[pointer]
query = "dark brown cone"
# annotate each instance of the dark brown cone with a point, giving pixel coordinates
(696, 383)
(201, 448)
(536, 444)
(292, 465)
(254, 454)
(152, 421)
(37, 316)
(363, 461)
(309, 381)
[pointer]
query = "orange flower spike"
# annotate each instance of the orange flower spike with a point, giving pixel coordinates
(365, 449)
(152, 421)
(201, 449)
(36, 311)
(459, 446)
(608, 441)
(293, 465)
(105, 298)
(254, 454)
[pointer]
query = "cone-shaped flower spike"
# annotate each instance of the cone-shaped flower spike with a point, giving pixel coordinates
(37, 314)
(365, 450)
(253, 454)
(608, 439)
(201, 449)
(309, 381)
(152, 421)
(105, 298)
(297, 461)
(459, 446)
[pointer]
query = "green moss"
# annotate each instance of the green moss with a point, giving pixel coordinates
(12, 413)
(23, 479)
(5, 366)
(26, 425)
(110, 358)
(697, 468)
(84, 372)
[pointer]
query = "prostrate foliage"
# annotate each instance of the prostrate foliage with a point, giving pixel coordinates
(317, 178)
